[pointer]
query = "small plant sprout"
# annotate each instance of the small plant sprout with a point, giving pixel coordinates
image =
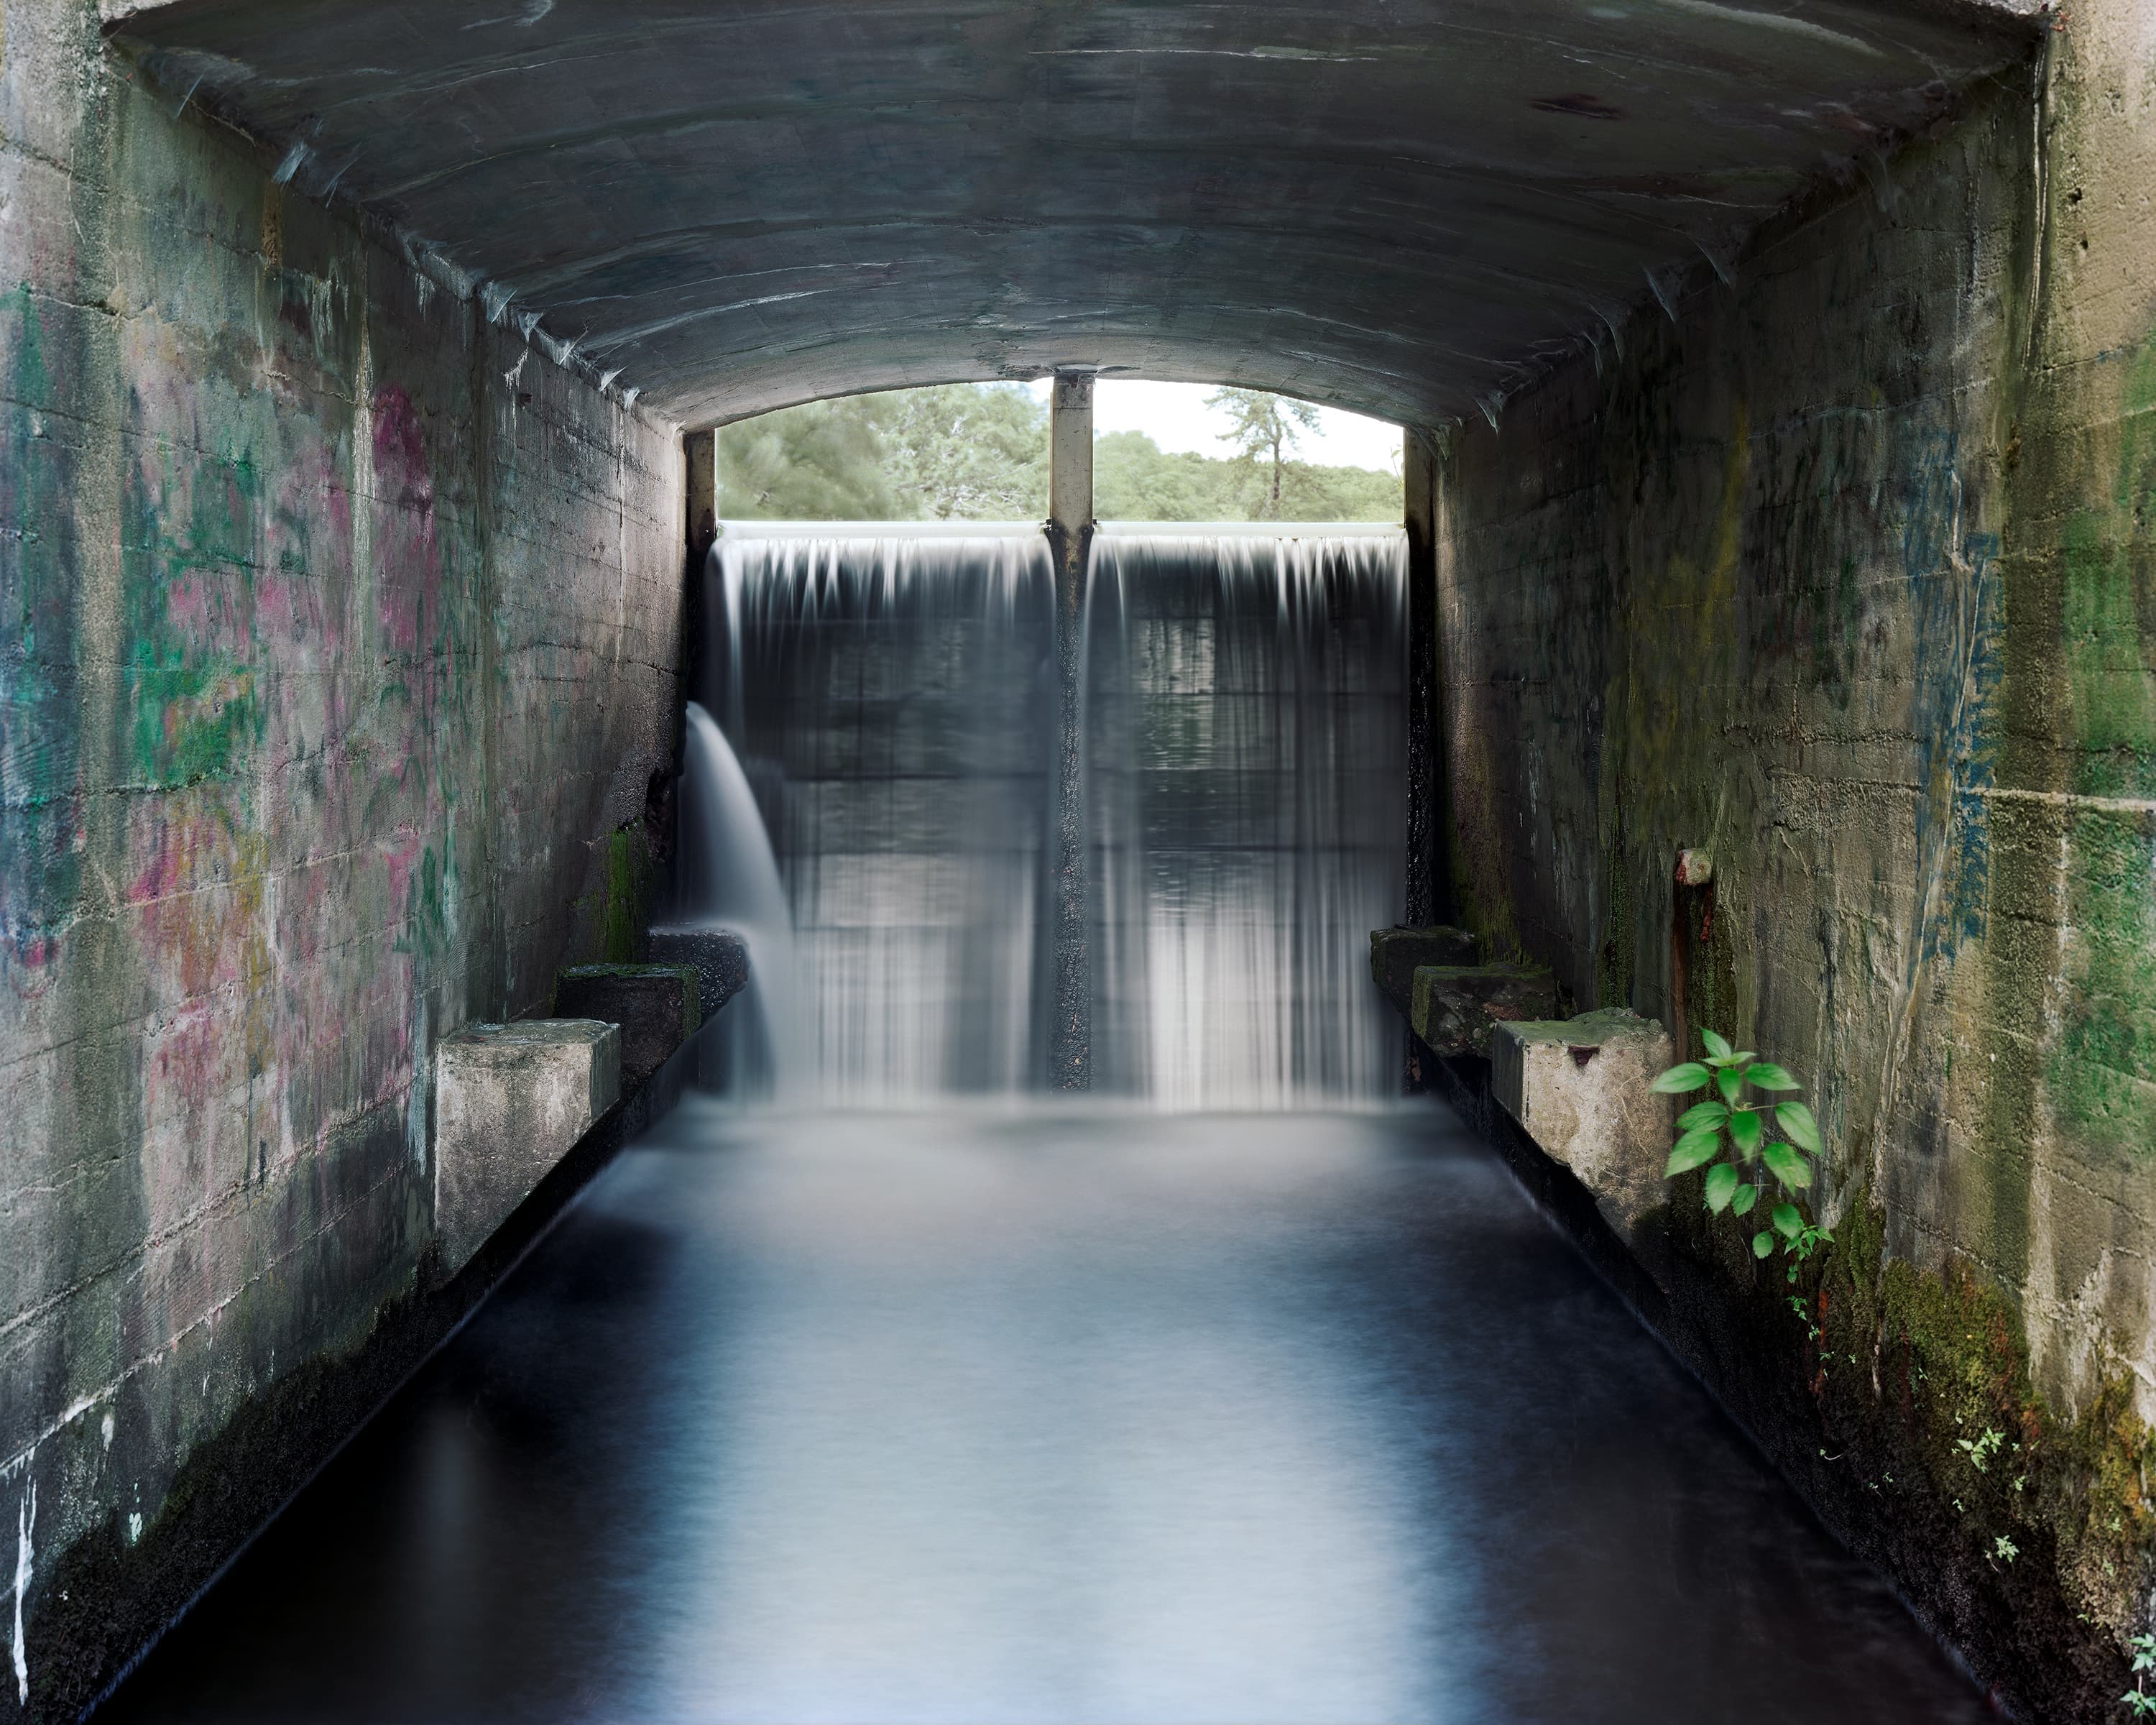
(2137, 1701)
(1758, 1167)
(1980, 1450)
(2002, 1546)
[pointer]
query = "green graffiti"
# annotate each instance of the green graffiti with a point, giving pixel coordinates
(192, 699)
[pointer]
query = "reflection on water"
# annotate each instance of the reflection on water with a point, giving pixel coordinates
(1055, 1416)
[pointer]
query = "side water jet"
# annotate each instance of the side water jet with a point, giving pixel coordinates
(730, 879)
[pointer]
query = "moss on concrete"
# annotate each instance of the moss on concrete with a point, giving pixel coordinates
(1901, 1401)
(615, 916)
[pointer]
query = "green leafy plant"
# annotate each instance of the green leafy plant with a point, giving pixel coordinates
(2137, 1700)
(1759, 1167)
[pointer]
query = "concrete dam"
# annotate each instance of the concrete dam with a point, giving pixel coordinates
(611, 1112)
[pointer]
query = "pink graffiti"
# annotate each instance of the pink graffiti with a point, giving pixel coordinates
(410, 559)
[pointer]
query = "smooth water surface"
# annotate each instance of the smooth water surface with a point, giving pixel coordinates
(1086, 1416)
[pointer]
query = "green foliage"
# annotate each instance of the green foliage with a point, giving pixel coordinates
(1740, 1183)
(979, 451)
(2137, 1701)
(821, 461)
(957, 452)
(968, 452)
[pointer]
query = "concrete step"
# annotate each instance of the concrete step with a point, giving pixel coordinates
(1454, 1006)
(659, 1007)
(1397, 953)
(718, 955)
(509, 1102)
(1579, 1088)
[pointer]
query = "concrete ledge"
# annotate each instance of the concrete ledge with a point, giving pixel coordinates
(510, 1102)
(1397, 953)
(1579, 1089)
(719, 957)
(658, 1007)
(1454, 1006)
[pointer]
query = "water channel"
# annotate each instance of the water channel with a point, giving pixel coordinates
(899, 1391)
(1051, 1414)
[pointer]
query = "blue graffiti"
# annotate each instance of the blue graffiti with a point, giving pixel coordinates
(1956, 612)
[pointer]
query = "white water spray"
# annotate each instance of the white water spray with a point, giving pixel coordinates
(26, 1524)
(731, 880)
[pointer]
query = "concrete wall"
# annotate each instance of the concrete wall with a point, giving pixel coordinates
(1847, 572)
(339, 647)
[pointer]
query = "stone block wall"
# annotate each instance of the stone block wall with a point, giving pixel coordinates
(1847, 573)
(338, 638)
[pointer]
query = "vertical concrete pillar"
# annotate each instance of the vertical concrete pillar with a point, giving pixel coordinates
(1428, 876)
(700, 457)
(1070, 454)
(1070, 542)
(699, 451)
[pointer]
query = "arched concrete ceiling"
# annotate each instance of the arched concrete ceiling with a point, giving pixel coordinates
(1399, 206)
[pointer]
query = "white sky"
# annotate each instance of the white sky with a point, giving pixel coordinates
(1175, 416)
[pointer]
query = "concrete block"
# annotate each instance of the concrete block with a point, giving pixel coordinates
(510, 1102)
(1397, 953)
(719, 957)
(657, 1006)
(1454, 1006)
(1579, 1087)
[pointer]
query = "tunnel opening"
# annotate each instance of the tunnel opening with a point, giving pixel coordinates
(1762, 661)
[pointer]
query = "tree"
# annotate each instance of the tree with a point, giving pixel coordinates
(821, 461)
(968, 452)
(1262, 426)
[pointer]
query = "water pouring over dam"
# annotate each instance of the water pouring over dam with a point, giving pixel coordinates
(893, 702)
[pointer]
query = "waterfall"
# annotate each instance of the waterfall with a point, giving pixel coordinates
(892, 701)
(889, 700)
(1247, 794)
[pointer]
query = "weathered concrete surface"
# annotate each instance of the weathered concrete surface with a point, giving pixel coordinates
(656, 1007)
(1580, 1088)
(509, 1102)
(338, 647)
(1430, 896)
(1844, 571)
(1403, 209)
(1070, 1050)
(1397, 953)
(718, 955)
(342, 620)
(1454, 1006)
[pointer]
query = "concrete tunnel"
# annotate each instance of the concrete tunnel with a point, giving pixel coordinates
(1779, 385)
